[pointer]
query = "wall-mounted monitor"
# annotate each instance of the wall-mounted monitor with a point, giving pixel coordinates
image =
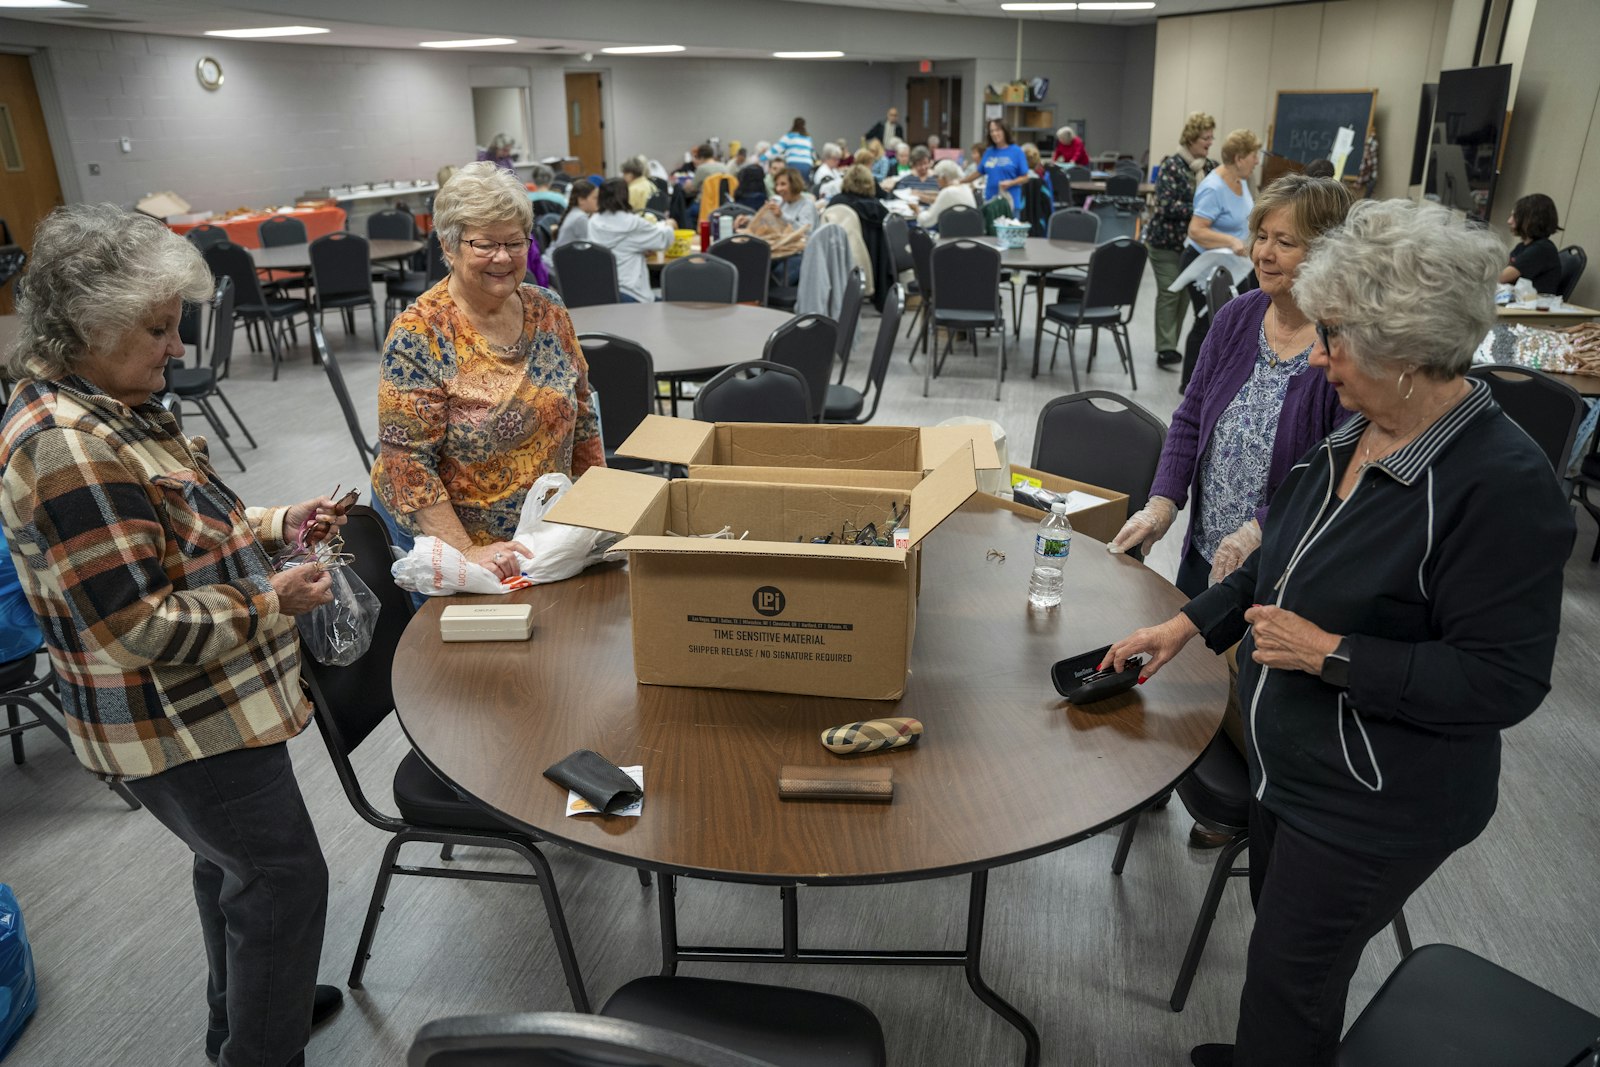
(1469, 118)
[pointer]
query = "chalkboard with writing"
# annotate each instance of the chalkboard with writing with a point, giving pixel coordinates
(1306, 122)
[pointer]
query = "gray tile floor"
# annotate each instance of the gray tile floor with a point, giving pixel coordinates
(1089, 957)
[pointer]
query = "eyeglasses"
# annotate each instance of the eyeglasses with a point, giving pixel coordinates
(1325, 333)
(487, 249)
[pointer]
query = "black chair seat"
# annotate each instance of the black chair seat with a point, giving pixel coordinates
(1217, 791)
(189, 381)
(956, 317)
(783, 296)
(410, 287)
(424, 799)
(347, 300)
(768, 1022)
(843, 402)
(1068, 313)
(274, 308)
(17, 672)
(1591, 465)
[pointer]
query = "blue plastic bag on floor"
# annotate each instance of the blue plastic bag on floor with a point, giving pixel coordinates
(18, 995)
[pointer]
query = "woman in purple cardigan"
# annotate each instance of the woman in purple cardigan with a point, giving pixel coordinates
(1251, 410)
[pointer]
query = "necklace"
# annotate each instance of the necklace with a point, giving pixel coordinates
(1276, 340)
(1427, 419)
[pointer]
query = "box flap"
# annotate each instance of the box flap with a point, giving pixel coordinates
(620, 501)
(941, 492)
(902, 481)
(857, 553)
(669, 440)
(940, 442)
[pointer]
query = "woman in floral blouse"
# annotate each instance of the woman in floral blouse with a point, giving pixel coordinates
(1168, 227)
(483, 386)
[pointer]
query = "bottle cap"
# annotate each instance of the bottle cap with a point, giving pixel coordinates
(1059, 507)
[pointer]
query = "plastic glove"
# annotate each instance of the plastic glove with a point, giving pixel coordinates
(1146, 526)
(1235, 549)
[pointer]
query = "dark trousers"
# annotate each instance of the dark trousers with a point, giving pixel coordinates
(1194, 573)
(1317, 906)
(262, 889)
(1202, 321)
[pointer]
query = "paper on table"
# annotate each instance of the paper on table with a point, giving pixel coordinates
(1343, 142)
(576, 805)
(908, 195)
(1237, 266)
(1078, 500)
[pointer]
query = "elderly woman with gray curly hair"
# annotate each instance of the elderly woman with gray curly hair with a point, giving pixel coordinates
(483, 387)
(1401, 611)
(171, 635)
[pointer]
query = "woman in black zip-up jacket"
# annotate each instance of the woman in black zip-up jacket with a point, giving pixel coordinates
(1401, 611)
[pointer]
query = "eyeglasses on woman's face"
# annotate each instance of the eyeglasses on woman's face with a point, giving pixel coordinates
(1326, 334)
(485, 249)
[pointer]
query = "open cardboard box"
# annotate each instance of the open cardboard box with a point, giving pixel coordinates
(775, 451)
(768, 612)
(1101, 521)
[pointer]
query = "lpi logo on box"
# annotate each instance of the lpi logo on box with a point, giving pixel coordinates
(768, 600)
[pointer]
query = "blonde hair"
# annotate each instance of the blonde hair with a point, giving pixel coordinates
(866, 157)
(1195, 126)
(1316, 205)
(858, 180)
(479, 194)
(1030, 152)
(1238, 144)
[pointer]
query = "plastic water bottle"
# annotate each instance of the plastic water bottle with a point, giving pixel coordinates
(1052, 541)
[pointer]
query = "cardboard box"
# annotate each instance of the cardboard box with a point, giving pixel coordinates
(769, 612)
(1101, 522)
(164, 205)
(1014, 93)
(1038, 118)
(765, 449)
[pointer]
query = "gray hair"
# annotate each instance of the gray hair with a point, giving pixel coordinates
(919, 153)
(541, 175)
(1408, 283)
(947, 171)
(95, 274)
(479, 194)
(831, 151)
(641, 162)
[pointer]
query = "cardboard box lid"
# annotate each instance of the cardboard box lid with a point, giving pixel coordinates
(618, 501)
(163, 204)
(664, 439)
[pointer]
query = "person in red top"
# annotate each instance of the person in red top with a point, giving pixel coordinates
(1069, 148)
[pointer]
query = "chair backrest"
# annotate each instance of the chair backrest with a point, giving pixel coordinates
(191, 324)
(1126, 168)
(753, 258)
(855, 292)
(734, 210)
(366, 449)
(231, 261)
(1219, 290)
(961, 221)
(1115, 270)
(341, 265)
(1114, 443)
(562, 1039)
(1573, 261)
(588, 274)
(888, 329)
(807, 343)
(1548, 410)
(624, 376)
(437, 266)
(898, 236)
(222, 326)
(757, 391)
(1074, 224)
(546, 207)
(206, 236)
(922, 262)
(1077, 172)
(966, 275)
(702, 278)
(391, 225)
(280, 230)
(1115, 223)
(544, 230)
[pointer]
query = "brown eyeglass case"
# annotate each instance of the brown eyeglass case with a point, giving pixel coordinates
(797, 782)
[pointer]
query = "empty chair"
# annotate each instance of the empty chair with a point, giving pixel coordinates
(401, 293)
(204, 236)
(200, 385)
(898, 235)
(807, 343)
(1100, 438)
(700, 278)
(1549, 411)
(1115, 221)
(623, 376)
(756, 391)
(280, 230)
(341, 274)
(1219, 290)
(391, 224)
(922, 269)
(753, 258)
(1109, 294)
(588, 274)
(855, 289)
(1074, 224)
(845, 404)
(367, 450)
(1573, 262)
(961, 221)
(250, 303)
(966, 281)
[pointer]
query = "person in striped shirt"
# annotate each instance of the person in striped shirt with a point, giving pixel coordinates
(795, 148)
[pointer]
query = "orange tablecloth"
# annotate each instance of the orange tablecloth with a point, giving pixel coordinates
(320, 222)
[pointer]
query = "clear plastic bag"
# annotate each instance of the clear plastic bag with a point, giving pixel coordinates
(336, 634)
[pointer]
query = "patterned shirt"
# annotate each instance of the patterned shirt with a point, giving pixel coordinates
(469, 422)
(1168, 227)
(150, 581)
(1233, 470)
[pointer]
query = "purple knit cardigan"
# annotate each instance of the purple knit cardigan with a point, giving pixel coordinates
(1310, 407)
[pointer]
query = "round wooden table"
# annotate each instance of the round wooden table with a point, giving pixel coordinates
(1039, 256)
(1006, 769)
(298, 257)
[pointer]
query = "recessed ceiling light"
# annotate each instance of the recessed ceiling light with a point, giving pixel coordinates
(807, 55)
(268, 31)
(641, 49)
(39, 3)
(1038, 7)
(476, 42)
(1146, 6)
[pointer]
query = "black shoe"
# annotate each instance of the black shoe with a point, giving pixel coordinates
(1200, 837)
(327, 1000)
(1211, 1056)
(1168, 358)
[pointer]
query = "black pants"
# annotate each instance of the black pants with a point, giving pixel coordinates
(1194, 573)
(1317, 906)
(262, 889)
(1202, 321)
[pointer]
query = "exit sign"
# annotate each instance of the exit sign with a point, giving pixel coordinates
(925, 66)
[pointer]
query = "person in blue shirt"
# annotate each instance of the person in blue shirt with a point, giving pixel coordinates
(1221, 218)
(1003, 166)
(19, 631)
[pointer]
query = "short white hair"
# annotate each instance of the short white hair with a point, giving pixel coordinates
(1409, 284)
(1066, 134)
(832, 151)
(479, 194)
(947, 171)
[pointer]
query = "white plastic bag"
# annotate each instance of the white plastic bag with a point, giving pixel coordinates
(339, 632)
(437, 569)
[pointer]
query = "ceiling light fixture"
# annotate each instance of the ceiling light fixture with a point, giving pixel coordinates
(1038, 7)
(39, 4)
(268, 31)
(807, 55)
(476, 42)
(1145, 6)
(641, 49)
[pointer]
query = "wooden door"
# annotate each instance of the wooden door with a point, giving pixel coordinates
(924, 109)
(29, 187)
(586, 139)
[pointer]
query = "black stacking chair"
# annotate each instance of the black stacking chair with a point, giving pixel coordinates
(700, 278)
(1548, 410)
(897, 232)
(961, 221)
(350, 702)
(623, 376)
(22, 687)
(205, 235)
(1070, 224)
(401, 293)
(1109, 294)
(201, 385)
(368, 450)
(921, 242)
(845, 404)
(341, 274)
(1573, 261)
(250, 303)
(276, 232)
(753, 258)
(588, 274)
(667, 1022)
(1100, 438)
(806, 343)
(855, 293)
(756, 391)
(391, 224)
(966, 281)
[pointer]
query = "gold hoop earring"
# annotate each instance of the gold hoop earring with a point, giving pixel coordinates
(1411, 386)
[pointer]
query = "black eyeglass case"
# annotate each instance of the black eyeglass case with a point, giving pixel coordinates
(1080, 680)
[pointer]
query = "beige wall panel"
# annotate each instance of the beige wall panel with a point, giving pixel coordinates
(1246, 99)
(1581, 214)
(1345, 49)
(1206, 83)
(1292, 64)
(1169, 102)
(1399, 65)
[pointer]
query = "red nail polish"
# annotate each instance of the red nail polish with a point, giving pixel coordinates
(1141, 680)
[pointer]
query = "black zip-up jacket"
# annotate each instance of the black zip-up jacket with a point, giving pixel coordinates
(1444, 569)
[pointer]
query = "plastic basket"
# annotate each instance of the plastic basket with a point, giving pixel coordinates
(682, 243)
(1011, 236)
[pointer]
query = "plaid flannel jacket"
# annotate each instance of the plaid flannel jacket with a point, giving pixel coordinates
(150, 583)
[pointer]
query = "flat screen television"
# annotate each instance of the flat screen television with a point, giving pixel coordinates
(1469, 119)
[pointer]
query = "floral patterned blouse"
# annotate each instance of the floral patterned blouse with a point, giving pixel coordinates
(475, 423)
(1168, 227)
(1233, 470)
